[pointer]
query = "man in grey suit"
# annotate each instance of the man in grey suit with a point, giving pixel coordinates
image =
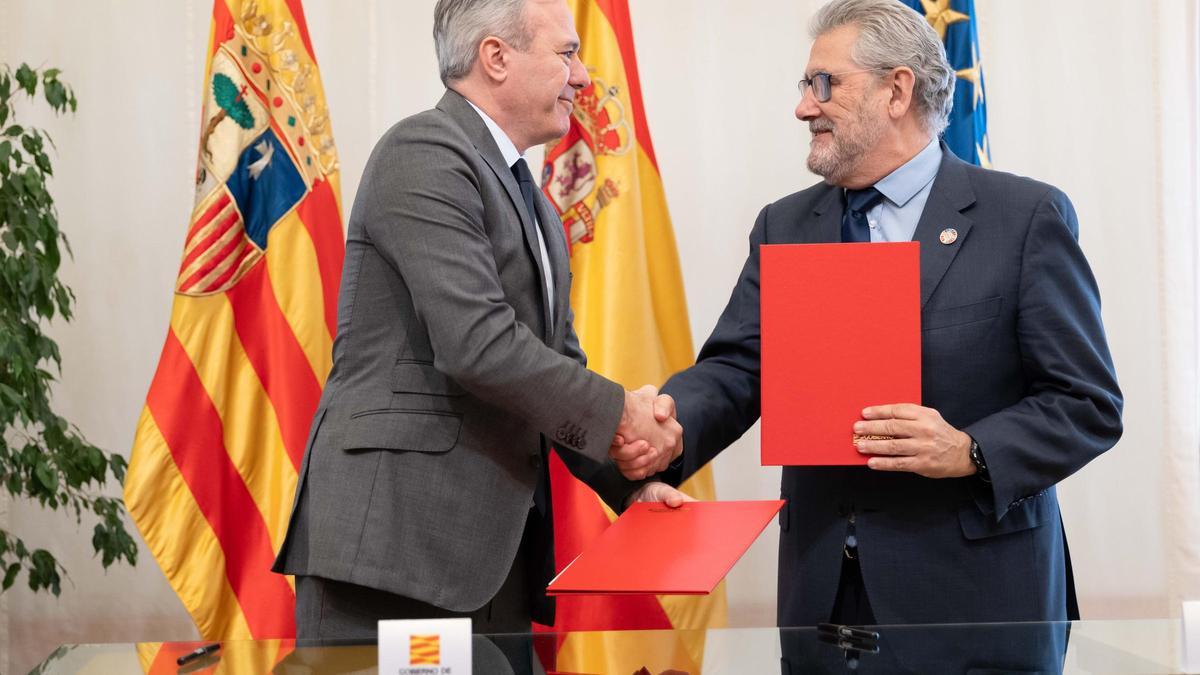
(424, 489)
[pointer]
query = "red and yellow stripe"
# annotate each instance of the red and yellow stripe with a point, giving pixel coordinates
(424, 650)
(221, 438)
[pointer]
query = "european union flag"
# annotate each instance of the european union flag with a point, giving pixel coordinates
(954, 21)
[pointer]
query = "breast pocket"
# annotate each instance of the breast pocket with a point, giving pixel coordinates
(420, 377)
(412, 430)
(975, 312)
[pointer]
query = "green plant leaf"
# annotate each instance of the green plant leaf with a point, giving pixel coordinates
(10, 575)
(44, 571)
(46, 475)
(43, 457)
(31, 141)
(56, 94)
(27, 79)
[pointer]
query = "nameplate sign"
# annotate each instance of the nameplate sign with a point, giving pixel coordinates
(425, 647)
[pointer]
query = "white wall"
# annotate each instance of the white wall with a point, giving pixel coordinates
(1073, 101)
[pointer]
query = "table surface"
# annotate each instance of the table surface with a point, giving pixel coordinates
(1133, 646)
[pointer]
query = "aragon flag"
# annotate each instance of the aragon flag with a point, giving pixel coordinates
(631, 317)
(221, 436)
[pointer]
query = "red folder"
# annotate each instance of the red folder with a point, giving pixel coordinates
(655, 549)
(841, 330)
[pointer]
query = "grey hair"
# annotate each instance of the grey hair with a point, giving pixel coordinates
(460, 25)
(892, 34)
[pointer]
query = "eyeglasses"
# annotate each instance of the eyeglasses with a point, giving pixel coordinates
(822, 86)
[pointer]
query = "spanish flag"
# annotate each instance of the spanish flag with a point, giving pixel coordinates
(631, 317)
(220, 440)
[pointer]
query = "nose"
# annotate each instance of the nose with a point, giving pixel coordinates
(578, 77)
(807, 109)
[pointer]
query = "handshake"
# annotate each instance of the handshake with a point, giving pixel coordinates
(648, 438)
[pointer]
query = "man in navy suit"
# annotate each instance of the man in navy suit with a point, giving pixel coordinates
(955, 519)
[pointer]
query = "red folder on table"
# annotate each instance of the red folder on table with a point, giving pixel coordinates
(841, 330)
(655, 549)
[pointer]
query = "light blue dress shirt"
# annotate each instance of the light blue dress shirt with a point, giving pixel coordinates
(905, 192)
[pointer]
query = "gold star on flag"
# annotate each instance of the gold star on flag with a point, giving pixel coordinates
(985, 153)
(974, 76)
(939, 15)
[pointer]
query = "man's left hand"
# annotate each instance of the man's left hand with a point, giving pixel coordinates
(922, 442)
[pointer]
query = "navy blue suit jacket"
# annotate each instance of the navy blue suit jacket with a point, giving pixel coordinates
(1013, 353)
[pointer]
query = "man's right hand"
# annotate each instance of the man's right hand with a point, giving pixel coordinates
(648, 438)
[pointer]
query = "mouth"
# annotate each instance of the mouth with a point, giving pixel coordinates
(569, 103)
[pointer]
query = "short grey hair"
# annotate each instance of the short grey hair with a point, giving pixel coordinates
(892, 34)
(460, 25)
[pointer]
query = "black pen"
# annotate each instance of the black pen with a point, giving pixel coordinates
(848, 632)
(197, 653)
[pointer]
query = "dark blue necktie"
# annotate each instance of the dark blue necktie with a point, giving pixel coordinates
(854, 219)
(524, 178)
(541, 491)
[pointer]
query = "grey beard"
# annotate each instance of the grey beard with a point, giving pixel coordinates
(846, 151)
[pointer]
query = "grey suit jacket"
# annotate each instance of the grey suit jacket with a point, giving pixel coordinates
(447, 374)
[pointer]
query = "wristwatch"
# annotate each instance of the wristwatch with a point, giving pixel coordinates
(976, 455)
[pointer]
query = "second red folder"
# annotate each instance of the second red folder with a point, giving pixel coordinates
(655, 549)
(841, 330)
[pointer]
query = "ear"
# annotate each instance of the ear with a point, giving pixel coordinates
(903, 81)
(493, 58)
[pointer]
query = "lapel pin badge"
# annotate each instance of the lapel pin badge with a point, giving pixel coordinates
(948, 236)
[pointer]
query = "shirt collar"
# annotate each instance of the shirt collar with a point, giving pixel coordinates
(507, 149)
(905, 182)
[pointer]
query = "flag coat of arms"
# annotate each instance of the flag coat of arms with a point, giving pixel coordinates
(221, 437)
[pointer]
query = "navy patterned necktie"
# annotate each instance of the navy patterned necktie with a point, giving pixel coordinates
(854, 219)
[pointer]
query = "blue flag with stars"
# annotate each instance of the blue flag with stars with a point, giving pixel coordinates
(954, 22)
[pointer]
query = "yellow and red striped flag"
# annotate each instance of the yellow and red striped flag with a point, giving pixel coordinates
(631, 316)
(220, 440)
(424, 650)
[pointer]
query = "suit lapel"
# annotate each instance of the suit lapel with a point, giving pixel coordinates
(950, 194)
(456, 106)
(560, 259)
(828, 214)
